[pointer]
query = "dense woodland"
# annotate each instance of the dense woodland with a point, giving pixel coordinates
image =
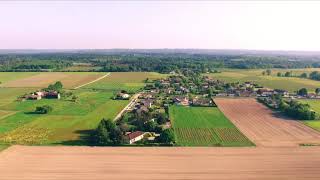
(162, 62)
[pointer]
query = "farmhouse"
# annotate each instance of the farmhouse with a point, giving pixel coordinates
(122, 96)
(43, 94)
(282, 92)
(265, 92)
(181, 100)
(133, 137)
(202, 102)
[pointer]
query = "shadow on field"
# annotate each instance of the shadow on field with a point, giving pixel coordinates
(282, 116)
(84, 139)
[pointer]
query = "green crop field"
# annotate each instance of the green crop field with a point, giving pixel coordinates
(315, 105)
(289, 83)
(204, 126)
(130, 81)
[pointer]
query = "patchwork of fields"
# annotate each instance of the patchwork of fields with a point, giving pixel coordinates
(69, 121)
(263, 126)
(204, 126)
(289, 83)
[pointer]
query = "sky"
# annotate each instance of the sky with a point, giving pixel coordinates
(256, 25)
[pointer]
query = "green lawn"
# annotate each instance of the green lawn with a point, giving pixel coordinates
(315, 105)
(204, 126)
(289, 83)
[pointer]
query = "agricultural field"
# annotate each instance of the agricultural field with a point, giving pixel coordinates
(288, 83)
(41, 80)
(265, 127)
(75, 163)
(68, 123)
(11, 76)
(315, 105)
(204, 126)
(130, 81)
(64, 124)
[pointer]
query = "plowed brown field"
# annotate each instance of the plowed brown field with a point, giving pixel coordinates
(87, 163)
(69, 80)
(265, 127)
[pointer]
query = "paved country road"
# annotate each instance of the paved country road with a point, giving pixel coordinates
(131, 103)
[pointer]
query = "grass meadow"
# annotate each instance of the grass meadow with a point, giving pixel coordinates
(204, 126)
(289, 83)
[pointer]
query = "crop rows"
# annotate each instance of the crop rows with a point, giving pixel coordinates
(210, 137)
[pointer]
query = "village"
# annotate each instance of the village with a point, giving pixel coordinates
(147, 115)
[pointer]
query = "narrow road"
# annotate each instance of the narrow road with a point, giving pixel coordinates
(92, 81)
(131, 103)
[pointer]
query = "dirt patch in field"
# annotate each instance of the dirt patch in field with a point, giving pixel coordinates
(69, 80)
(98, 163)
(263, 126)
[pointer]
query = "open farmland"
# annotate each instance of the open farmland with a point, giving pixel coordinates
(288, 83)
(8, 95)
(130, 81)
(315, 105)
(204, 126)
(11, 76)
(100, 163)
(263, 126)
(66, 124)
(41, 80)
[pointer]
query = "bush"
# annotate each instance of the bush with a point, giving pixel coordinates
(43, 109)
(167, 136)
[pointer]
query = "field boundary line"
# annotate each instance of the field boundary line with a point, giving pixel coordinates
(92, 81)
(7, 115)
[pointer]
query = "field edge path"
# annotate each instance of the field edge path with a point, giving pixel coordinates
(98, 79)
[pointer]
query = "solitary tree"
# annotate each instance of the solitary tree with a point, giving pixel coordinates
(263, 73)
(268, 72)
(304, 75)
(317, 91)
(287, 74)
(279, 74)
(303, 92)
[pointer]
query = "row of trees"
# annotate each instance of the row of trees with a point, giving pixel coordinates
(297, 110)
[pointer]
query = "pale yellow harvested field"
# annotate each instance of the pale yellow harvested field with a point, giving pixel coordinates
(265, 128)
(98, 163)
(69, 80)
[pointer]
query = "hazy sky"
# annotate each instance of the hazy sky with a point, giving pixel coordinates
(141, 24)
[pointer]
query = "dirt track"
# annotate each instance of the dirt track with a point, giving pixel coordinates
(84, 163)
(263, 126)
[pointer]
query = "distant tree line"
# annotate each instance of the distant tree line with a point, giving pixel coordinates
(158, 62)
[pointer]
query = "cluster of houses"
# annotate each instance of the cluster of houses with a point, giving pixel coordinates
(42, 94)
